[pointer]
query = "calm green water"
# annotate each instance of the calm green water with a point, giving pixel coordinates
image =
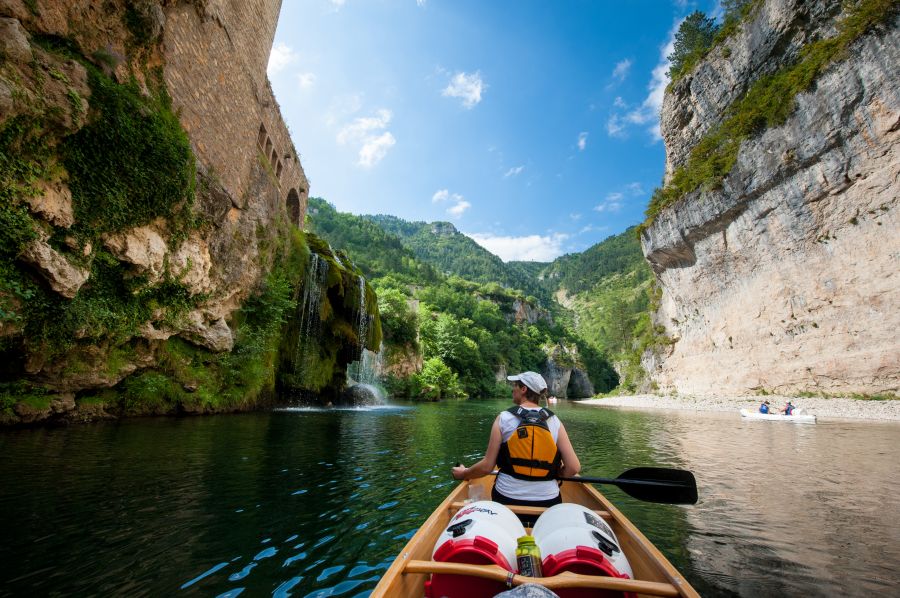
(317, 503)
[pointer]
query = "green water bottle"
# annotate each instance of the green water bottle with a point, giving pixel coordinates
(528, 557)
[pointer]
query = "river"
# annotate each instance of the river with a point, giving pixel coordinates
(318, 502)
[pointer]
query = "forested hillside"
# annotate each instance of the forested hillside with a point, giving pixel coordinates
(447, 336)
(611, 291)
(451, 252)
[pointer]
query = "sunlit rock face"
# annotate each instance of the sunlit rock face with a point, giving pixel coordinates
(785, 278)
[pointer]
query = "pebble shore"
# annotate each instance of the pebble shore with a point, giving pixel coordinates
(836, 408)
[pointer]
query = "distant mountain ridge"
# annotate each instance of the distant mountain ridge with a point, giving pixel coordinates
(441, 245)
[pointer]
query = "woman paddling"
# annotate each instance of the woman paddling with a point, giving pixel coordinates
(531, 447)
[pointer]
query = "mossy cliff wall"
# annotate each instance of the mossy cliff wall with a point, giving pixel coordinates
(150, 198)
(775, 236)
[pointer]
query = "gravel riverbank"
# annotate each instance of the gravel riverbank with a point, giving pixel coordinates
(823, 408)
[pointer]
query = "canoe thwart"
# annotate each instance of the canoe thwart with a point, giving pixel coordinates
(563, 580)
(520, 510)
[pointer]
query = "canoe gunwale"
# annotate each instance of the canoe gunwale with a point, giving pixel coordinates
(410, 569)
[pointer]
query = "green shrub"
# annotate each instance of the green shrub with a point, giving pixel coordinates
(131, 164)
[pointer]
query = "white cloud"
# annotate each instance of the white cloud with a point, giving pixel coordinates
(575, 216)
(280, 58)
(467, 87)
(338, 3)
(612, 203)
(459, 206)
(374, 149)
(457, 209)
(648, 111)
(528, 248)
(370, 135)
(635, 188)
(582, 140)
(621, 71)
(420, 2)
(514, 171)
(306, 80)
(615, 127)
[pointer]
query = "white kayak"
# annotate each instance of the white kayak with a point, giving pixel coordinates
(797, 418)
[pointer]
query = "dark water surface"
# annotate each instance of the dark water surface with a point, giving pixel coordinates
(317, 503)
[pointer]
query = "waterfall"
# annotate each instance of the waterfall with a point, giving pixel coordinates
(364, 374)
(310, 322)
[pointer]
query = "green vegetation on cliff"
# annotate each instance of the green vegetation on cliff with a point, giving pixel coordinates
(768, 102)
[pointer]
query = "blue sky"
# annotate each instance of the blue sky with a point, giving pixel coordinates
(532, 126)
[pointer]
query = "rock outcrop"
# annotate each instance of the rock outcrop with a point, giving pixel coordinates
(785, 278)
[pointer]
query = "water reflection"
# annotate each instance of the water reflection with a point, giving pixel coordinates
(315, 502)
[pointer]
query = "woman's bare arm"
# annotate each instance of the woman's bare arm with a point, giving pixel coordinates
(486, 465)
(571, 464)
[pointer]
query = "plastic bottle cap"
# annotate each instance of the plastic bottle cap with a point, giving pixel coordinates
(525, 540)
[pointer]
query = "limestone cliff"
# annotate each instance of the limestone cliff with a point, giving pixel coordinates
(782, 276)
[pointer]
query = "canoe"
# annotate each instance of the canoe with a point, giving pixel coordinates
(653, 574)
(802, 418)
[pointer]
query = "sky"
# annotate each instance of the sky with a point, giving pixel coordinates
(532, 126)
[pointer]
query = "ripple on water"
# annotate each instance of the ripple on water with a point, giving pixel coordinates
(283, 590)
(323, 540)
(206, 573)
(388, 505)
(264, 554)
(231, 593)
(293, 559)
(242, 573)
(329, 571)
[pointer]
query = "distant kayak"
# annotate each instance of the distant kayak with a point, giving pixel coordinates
(801, 418)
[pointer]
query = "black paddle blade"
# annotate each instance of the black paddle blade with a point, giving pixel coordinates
(659, 485)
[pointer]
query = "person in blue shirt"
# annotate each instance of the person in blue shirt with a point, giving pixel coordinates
(764, 407)
(788, 409)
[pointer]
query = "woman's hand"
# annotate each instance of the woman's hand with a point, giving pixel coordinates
(459, 472)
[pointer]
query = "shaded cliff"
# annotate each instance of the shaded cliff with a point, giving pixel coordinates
(774, 237)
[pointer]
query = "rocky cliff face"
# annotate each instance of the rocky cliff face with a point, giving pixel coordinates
(785, 278)
(149, 212)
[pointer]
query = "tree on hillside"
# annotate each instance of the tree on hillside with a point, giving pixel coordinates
(694, 37)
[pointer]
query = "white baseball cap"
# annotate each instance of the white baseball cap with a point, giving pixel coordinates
(532, 380)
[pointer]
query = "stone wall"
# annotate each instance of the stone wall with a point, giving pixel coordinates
(785, 279)
(215, 69)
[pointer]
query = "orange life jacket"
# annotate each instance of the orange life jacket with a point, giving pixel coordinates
(530, 453)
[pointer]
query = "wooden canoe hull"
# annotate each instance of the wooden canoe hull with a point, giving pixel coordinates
(653, 574)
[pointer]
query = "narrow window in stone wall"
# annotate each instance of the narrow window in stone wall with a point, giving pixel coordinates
(278, 170)
(261, 138)
(268, 150)
(273, 157)
(293, 206)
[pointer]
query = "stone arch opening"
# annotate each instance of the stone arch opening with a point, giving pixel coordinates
(293, 206)
(261, 138)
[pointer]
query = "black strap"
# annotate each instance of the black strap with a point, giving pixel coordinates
(521, 412)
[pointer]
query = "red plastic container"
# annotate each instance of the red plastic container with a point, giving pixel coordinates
(587, 561)
(473, 551)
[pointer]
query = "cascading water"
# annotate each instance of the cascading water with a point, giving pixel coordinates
(363, 375)
(310, 322)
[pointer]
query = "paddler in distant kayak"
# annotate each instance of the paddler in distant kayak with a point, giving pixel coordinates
(531, 447)
(764, 407)
(788, 409)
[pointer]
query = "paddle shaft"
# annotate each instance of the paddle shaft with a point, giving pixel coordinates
(651, 484)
